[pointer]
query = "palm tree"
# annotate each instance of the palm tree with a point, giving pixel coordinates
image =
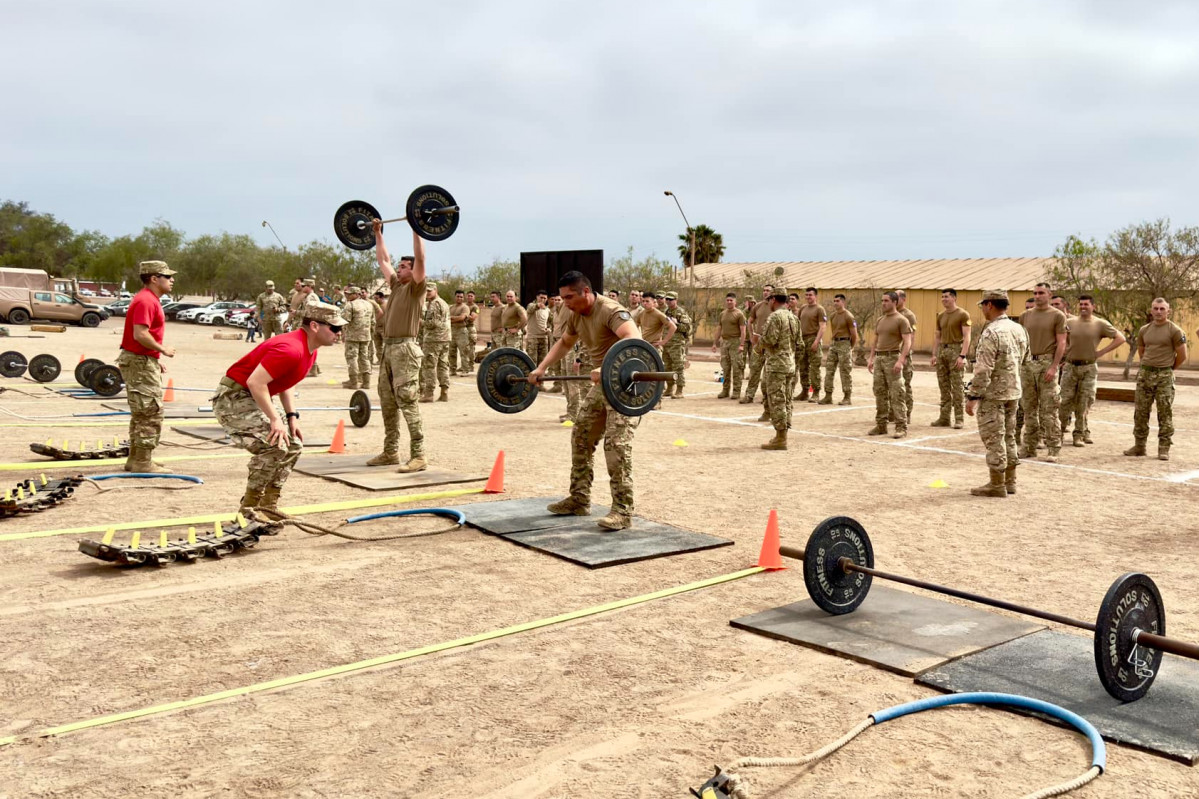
(709, 246)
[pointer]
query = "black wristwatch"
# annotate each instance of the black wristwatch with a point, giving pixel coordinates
(290, 415)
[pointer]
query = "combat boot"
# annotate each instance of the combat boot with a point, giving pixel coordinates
(735, 395)
(1163, 452)
(569, 507)
(616, 521)
(957, 423)
(941, 421)
(417, 464)
(556, 388)
(384, 459)
(1009, 478)
(351, 383)
(778, 442)
(1026, 452)
(877, 430)
(1086, 438)
(1078, 439)
(724, 392)
(827, 400)
(444, 396)
(845, 400)
(900, 432)
(995, 488)
(365, 382)
(747, 399)
(426, 397)
(765, 417)
(139, 462)
(678, 392)
(249, 501)
(815, 397)
(1137, 450)
(268, 505)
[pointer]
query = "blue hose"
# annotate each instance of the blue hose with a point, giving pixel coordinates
(189, 478)
(456, 515)
(106, 413)
(1098, 750)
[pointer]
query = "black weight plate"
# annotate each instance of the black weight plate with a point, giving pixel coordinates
(44, 368)
(428, 225)
(500, 393)
(352, 224)
(1127, 668)
(106, 381)
(84, 369)
(833, 589)
(12, 364)
(360, 408)
(626, 396)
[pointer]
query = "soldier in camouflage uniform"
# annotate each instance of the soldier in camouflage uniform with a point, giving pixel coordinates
(908, 371)
(435, 369)
(270, 431)
(1080, 368)
(995, 392)
(840, 353)
(538, 342)
(1162, 346)
(305, 298)
(360, 316)
(513, 320)
(269, 305)
(674, 354)
(890, 351)
(757, 323)
(778, 346)
(472, 333)
(812, 322)
(730, 333)
(460, 352)
(141, 348)
(377, 325)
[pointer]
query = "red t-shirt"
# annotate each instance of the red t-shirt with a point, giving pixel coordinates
(145, 309)
(286, 357)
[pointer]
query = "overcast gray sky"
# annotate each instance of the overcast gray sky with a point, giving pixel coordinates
(799, 130)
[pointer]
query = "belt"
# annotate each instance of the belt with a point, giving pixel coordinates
(843, 338)
(399, 340)
(954, 344)
(1081, 363)
(1041, 357)
(229, 382)
(1158, 368)
(887, 352)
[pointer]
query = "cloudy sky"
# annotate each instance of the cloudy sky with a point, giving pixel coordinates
(799, 130)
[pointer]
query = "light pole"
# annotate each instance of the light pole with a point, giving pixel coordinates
(281, 244)
(690, 230)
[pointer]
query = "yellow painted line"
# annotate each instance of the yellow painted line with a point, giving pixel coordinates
(383, 660)
(48, 465)
(298, 510)
(119, 423)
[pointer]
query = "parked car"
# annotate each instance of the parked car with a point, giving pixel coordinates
(124, 295)
(118, 307)
(218, 313)
(19, 306)
(105, 293)
(240, 317)
(194, 314)
(172, 309)
(87, 292)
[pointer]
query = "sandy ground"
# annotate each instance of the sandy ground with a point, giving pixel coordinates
(638, 703)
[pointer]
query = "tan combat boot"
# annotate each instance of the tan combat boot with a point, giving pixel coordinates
(827, 399)
(249, 501)
(765, 417)
(417, 464)
(941, 421)
(1009, 479)
(365, 382)
(1078, 439)
(778, 442)
(384, 459)
(444, 396)
(900, 432)
(139, 462)
(616, 521)
(1137, 450)
(569, 507)
(426, 398)
(351, 383)
(1163, 452)
(268, 505)
(877, 430)
(995, 488)
(845, 401)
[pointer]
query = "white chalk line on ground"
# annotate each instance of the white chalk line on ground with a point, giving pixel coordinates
(1182, 477)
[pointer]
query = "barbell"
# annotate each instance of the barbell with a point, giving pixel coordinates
(430, 210)
(360, 408)
(631, 378)
(1129, 632)
(43, 368)
(84, 369)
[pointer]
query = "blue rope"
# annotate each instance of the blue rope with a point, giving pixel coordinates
(457, 515)
(150, 475)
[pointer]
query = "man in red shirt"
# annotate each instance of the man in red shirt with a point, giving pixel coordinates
(243, 405)
(141, 348)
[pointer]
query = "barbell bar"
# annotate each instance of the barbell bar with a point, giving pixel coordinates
(360, 408)
(631, 378)
(1129, 631)
(430, 210)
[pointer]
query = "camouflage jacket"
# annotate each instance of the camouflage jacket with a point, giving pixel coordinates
(1002, 348)
(359, 316)
(779, 340)
(271, 304)
(683, 320)
(436, 324)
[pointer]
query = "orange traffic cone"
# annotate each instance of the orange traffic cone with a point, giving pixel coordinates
(81, 358)
(769, 558)
(339, 438)
(169, 394)
(495, 483)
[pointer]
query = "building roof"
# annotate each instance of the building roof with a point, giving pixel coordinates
(963, 274)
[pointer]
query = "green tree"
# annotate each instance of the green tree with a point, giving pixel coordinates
(709, 246)
(32, 240)
(645, 274)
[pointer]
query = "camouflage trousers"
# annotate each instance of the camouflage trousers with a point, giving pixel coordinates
(143, 388)
(674, 359)
(997, 429)
(909, 401)
(1041, 406)
(757, 360)
(358, 361)
(398, 374)
(270, 326)
(949, 380)
(472, 344)
(840, 359)
(505, 339)
(248, 426)
(889, 400)
(730, 366)
(597, 420)
(1078, 394)
(573, 389)
(1155, 386)
(807, 364)
(462, 355)
(537, 348)
(376, 347)
(777, 386)
(435, 366)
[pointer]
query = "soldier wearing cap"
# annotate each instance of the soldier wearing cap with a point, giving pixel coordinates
(303, 288)
(141, 349)
(271, 431)
(472, 334)
(360, 316)
(994, 392)
(460, 352)
(435, 368)
(674, 354)
(308, 296)
(268, 306)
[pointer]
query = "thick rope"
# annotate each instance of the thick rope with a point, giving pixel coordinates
(738, 786)
(1066, 787)
(315, 529)
(96, 485)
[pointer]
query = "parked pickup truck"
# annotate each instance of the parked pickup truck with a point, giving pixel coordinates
(19, 305)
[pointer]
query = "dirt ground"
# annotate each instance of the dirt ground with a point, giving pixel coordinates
(636, 703)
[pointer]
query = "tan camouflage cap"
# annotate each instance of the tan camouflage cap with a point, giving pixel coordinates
(353, 290)
(323, 312)
(270, 284)
(993, 294)
(155, 268)
(308, 281)
(672, 295)
(430, 286)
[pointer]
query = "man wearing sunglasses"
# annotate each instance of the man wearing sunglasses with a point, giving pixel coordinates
(243, 402)
(141, 349)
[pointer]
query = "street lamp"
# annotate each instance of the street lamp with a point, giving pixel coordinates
(281, 244)
(690, 230)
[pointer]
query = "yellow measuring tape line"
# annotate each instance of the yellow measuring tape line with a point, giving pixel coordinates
(121, 423)
(298, 510)
(45, 466)
(384, 659)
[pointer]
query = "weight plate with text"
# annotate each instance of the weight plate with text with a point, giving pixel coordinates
(360, 408)
(352, 224)
(12, 364)
(833, 589)
(626, 358)
(106, 381)
(44, 368)
(1127, 668)
(496, 387)
(422, 206)
(84, 369)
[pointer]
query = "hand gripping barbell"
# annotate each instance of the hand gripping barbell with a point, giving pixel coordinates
(360, 408)
(431, 211)
(631, 378)
(838, 566)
